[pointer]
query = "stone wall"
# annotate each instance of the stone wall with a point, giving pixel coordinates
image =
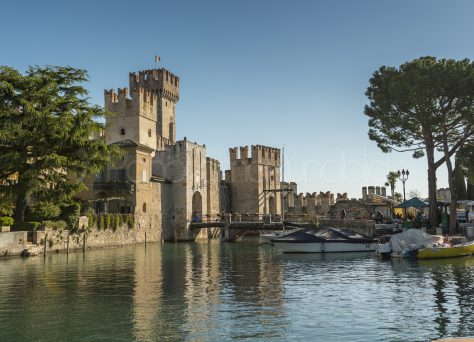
(56, 241)
(12, 243)
(214, 208)
(183, 165)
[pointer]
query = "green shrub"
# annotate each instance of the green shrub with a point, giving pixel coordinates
(130, 221)
(30, 226)
(69, 209)
(101, 222)
(6, 221)
(91, 218)
(70, 213)
(116, 222)
(108, 221)
(7, 206)
(55, 225)
(46, 210)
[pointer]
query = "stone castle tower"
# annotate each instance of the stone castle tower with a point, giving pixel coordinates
(165, 86)
(255, 180)
(133, 118)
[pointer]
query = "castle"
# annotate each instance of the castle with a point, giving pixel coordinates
(167, 183)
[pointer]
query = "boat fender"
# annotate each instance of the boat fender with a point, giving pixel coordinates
(322, 247)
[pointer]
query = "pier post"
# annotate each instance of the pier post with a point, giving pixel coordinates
(228, 220)
(45, 242)
(84, 243)
(67, 246)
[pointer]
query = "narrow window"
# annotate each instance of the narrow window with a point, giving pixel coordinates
(149, 133)
(144, 207)
(122, 131)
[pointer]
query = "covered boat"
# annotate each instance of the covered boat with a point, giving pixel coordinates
(417, 244)
(408, 243)
(325, 240)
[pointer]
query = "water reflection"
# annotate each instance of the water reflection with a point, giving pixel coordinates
(216, 291)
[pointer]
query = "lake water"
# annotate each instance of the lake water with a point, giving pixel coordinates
(242, 291)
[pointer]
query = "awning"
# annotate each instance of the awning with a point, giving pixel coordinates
(414, 202)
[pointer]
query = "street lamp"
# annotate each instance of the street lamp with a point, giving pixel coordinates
(403, 176)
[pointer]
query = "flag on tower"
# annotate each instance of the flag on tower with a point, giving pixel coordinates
(157, 58)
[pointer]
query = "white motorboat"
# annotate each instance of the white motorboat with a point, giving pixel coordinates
(267, 237)
(325, 240)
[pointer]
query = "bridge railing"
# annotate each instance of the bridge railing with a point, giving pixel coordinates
(237, 217)
(267, 218)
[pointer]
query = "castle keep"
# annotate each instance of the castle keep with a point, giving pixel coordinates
(168, 183)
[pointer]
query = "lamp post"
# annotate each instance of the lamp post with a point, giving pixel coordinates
(403, 176)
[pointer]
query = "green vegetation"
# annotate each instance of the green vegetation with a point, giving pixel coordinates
(116, 222)
(108, 221)
(101, 225)
(6, 221)
(70, 214)
(46, 130)
(424, 106)
(392, 178)
(31, 226)
(46, 210)
(55, 225)
(130, 221)
(91, 219)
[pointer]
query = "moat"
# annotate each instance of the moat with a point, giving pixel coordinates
(219, 291)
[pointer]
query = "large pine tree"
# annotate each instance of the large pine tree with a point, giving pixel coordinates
(424, 106)
(47, 129)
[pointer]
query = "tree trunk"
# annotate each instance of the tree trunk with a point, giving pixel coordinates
(454, 197)
(433, 203)
(460, 181)
(470, 190)
(21, 203)
(453, 217)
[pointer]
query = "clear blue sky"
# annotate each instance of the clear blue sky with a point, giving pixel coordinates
(290, 73)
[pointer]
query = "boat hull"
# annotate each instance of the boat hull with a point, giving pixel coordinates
(326, 247)
(446, 252)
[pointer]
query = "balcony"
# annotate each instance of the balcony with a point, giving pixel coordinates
(114, 186)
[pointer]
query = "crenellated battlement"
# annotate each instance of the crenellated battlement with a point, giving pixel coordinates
(163, 82)
(142, 102)
(259, 155)
(213, 164)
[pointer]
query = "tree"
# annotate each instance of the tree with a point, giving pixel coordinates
(460, 179)
(466, 161)
(413, 107)
(398, 197)
(392, 178)
(413, 193)
(46, 135)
